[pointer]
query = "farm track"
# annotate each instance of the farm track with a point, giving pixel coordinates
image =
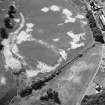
(97, 70)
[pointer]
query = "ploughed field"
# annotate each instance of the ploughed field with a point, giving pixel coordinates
(51, 28)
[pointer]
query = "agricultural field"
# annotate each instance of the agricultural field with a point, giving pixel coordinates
(48, 55)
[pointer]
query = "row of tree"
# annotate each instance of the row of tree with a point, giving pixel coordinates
(97, 34)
